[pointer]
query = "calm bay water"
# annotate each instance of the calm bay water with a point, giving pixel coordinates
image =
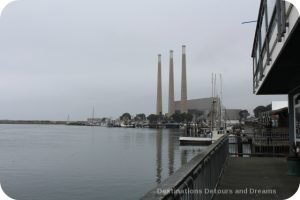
(43, 162)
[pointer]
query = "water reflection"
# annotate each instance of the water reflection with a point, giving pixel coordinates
(79, 163)
(167, 150)
(171, 153)
(158, 155)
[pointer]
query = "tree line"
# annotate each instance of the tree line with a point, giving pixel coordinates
(187, 117)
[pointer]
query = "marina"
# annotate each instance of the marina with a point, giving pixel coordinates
(149, 100)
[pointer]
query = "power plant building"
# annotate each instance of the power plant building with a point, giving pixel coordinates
(202, 105)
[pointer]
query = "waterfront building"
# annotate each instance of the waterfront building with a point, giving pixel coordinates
(274, 118)
(277, 116)
(276, 59)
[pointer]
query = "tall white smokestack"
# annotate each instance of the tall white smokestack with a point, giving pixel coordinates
(159, 88)
(171, 108)
(184, 108)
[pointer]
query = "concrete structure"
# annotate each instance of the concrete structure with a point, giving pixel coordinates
(184, 107)
(276, 59)
(171, 108)
(159, 88)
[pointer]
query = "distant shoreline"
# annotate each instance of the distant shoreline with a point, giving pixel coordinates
(31, 122)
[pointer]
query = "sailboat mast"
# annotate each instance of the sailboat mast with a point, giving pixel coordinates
(220, 104)
(212, 96)
(68, 119)
(215, 88)
(93, 113)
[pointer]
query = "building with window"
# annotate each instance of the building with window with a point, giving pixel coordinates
(276, 60)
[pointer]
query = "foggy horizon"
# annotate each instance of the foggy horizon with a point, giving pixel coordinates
(62, 57)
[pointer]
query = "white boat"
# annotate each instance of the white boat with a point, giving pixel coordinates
(195, 140)
(127, 125)
(187, 140)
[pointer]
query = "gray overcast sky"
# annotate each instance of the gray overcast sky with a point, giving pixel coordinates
(60, 57)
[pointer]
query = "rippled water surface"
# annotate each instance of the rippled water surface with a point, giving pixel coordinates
(44, 162)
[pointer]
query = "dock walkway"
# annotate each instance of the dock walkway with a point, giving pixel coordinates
(256, 178)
